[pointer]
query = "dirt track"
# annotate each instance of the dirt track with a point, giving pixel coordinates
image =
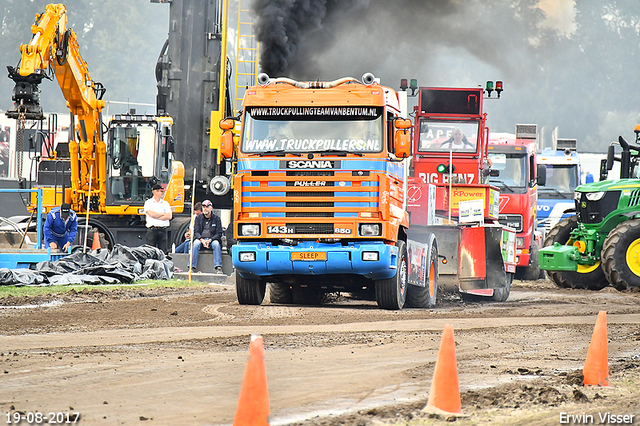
(172, 357)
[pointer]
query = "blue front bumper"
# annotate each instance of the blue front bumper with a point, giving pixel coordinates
(275, 260)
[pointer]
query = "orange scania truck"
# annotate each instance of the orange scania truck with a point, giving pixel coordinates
(319, 195)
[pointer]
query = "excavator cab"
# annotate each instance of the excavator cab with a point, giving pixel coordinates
(139, 155)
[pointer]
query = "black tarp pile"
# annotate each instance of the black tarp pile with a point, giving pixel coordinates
(120, 265)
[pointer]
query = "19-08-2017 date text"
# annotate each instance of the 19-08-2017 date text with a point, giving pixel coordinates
(36, 417)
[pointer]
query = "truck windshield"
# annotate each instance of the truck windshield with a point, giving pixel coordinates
(444, 136)
(355, 130)
(512, 168)
(561, 178)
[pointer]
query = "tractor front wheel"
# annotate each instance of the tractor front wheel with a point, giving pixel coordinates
(587, 277)
(621, 255)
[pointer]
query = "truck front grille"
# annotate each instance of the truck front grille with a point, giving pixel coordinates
(308, 214)
(311, 228)
(311, 173)
(308, 204)
(511, 220)
(301, 194)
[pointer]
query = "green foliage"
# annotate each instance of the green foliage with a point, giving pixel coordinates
(119, 39)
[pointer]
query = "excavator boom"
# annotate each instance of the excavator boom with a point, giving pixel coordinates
(54, 51)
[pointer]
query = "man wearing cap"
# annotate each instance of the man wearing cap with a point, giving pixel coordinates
(207, 234)
(158, 214)
(60, 227)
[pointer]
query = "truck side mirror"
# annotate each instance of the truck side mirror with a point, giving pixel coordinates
(226, 144)
(226, 140)
(402, 138)
(171, 144)
(542, 174)
(611, 152)
(227, 124)
(604, 172)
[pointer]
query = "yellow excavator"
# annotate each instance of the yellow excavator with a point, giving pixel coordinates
(106, 182)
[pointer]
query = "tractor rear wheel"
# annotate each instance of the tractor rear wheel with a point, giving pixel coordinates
(591, 277)
(621, 255)
(392, 293)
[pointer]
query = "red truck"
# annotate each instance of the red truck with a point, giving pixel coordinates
(517, 174)
(448, 178)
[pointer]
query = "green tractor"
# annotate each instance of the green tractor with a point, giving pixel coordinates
(600, 245)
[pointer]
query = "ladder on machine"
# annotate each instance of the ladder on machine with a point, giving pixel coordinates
(247, 54)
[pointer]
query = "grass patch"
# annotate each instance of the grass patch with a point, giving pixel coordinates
(17, 291)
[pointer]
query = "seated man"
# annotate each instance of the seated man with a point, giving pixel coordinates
(184, 247)
(207, 234)
(457, 141)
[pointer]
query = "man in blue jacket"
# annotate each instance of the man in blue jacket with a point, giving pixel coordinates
(60, 227)
(207, 234)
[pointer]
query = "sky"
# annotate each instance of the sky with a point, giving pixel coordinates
(564, 64)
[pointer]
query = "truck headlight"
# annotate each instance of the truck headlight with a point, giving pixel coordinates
(247, 256)
(594, 196)
(370, 229)
(250, 230)
(519, 242)
(370, 256)
(577, 195)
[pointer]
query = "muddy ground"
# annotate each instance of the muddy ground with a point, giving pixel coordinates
(177, 357)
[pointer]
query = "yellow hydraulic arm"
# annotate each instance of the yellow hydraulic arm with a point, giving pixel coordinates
(54, 49)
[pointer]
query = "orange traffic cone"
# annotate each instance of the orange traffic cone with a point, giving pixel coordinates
(596, 366)
(445, 389)
(96, 241)
(253, 405)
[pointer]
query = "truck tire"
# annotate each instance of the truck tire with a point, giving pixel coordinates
(531, 272)
(280, 293)
(620, 260)
(501, 294)
(425, 297)
(593, 279)
(392, 293)
(249, 291)
(307, 296)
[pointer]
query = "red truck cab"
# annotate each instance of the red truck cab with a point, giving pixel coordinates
(515, 171)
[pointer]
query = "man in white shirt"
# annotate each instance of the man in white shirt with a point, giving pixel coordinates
(158, 214)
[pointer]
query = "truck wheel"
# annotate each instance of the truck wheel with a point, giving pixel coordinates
(249, 291)
(591, 278)
(280, 293)
(307, 296)
(425, 297)
(531, 272)
(620, 255)
(392, 293)
(502, 294)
